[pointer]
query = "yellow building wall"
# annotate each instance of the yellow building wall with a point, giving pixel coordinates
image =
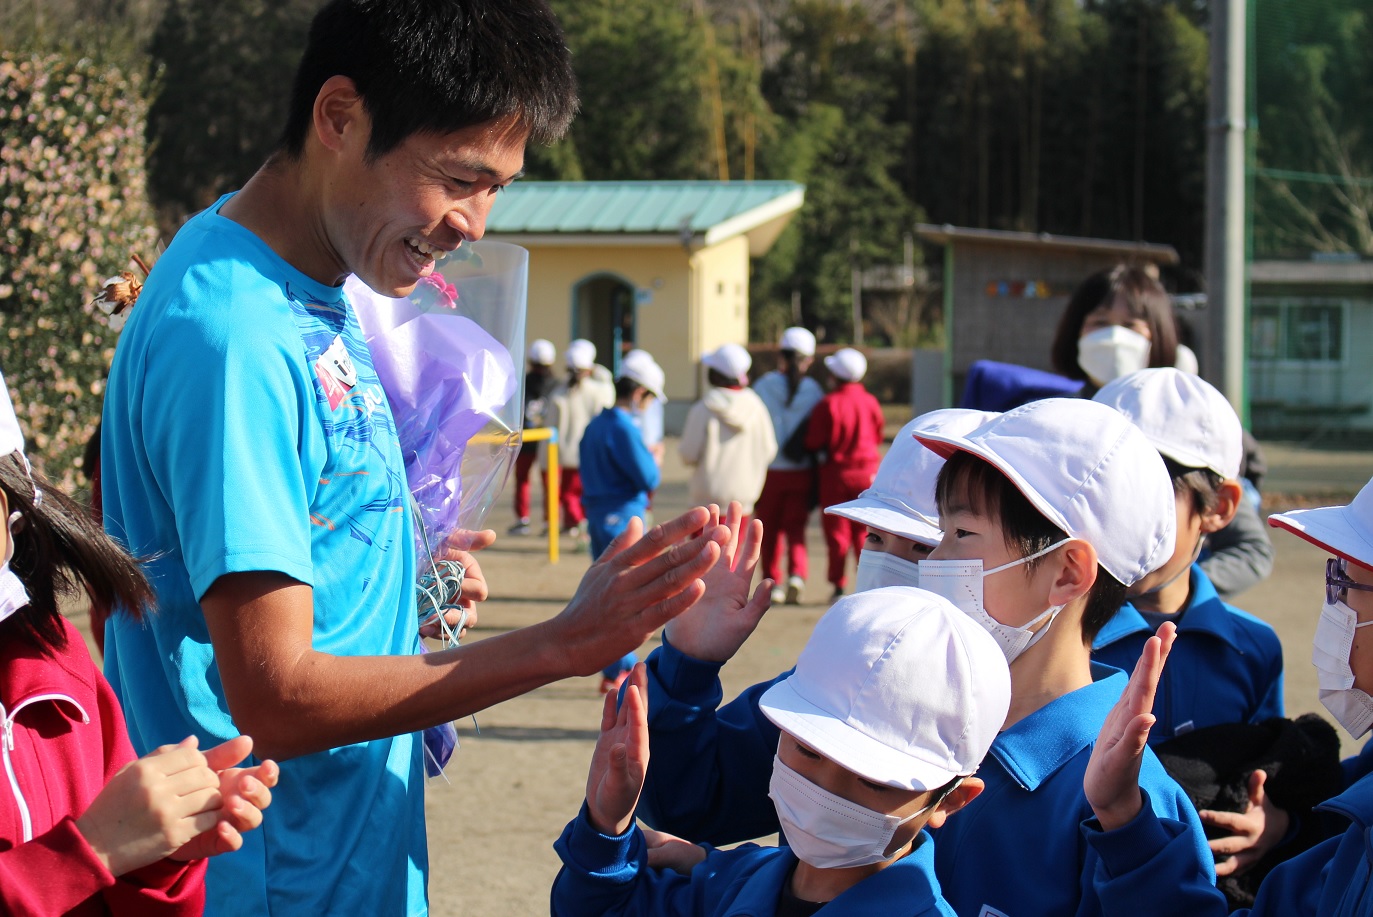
(698, 302)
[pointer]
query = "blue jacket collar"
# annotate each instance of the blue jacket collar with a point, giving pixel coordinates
(1205, 614)
(1035, 748)
(1355, 803)
(909, 881)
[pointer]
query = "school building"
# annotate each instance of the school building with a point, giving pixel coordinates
(1310, 327)
(662, 265)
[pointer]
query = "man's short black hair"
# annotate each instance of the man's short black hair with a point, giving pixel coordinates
(438, 66)
(968, 480)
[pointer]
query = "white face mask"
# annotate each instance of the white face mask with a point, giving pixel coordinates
(960, 581)
(13, 595)
(878, 568)
(828, 831)
(1109, 353)
(1352, 708)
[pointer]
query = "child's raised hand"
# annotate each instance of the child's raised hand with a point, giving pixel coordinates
(152, 807)
(244, 793)
(1112, 778)
(620, 760)
(716, 626)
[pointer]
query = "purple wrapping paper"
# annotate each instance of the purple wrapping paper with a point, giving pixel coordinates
(446, 379)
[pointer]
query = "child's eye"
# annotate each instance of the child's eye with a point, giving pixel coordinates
(961, 533)
(878, 787)
(806, 752)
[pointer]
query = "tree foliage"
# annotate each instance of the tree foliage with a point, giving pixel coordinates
(74, 209)
(223, 75)
(1314, 187)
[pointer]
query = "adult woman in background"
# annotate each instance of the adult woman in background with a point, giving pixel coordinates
(1119, 321)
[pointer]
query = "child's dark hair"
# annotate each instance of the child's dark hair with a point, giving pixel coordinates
(1143, 295)
(625, 387)
(1201, 485)
(986, 491)
(720, 380)
(437, 66)
(59, 551)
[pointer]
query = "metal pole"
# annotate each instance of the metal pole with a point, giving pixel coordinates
(1224, 351)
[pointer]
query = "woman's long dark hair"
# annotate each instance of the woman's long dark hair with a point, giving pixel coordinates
(791, 360)
(1145, 298)
(60, 551)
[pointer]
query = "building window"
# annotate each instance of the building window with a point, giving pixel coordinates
(1303, 331)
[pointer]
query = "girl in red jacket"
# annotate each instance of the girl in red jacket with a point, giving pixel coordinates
(847, 427)
(85, 828)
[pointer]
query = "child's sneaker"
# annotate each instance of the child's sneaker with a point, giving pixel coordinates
(779, 595)
(794, 586)
(519, 528)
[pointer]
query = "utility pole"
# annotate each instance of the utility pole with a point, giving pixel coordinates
(1225, 344)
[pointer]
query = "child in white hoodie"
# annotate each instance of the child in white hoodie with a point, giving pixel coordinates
(728, 435)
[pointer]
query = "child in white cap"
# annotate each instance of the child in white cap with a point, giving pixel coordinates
(894, 701)
(1141, 850)
(1227, 665)
(847, 427)
(711, 767)
(727, 438)
(789, 490)
(573, 404)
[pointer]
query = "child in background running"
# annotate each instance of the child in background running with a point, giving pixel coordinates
(85, 828)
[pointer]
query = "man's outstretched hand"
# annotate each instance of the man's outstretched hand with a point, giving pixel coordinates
(642, 581)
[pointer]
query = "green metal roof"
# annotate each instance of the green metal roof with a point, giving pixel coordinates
(639, 207)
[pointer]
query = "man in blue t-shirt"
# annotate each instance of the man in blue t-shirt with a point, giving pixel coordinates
(251, 456)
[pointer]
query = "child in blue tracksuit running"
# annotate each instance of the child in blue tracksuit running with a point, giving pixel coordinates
(1141, 851)
(1035, 497)
(618, 471)
(894, 701)
(1227, 665)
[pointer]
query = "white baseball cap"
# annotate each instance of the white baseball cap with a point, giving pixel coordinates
(640, 366)
(11, 437)
(1184, 416)
(901, 498)
(897, 685)
(1089, 471)
(1346, 531)
(541, 352)
(730, 360)
(799, 340)
(580, 354)
(848, 364)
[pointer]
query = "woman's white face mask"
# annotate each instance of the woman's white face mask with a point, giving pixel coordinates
(1109, 353)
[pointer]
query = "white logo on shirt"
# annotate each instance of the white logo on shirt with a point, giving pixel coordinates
(371, 400)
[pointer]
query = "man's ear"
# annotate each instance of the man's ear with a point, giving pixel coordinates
(1230, 493)
(1077, 569)
(340, 118)
(960, 796)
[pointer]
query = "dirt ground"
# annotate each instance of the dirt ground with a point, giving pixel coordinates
(517, 783)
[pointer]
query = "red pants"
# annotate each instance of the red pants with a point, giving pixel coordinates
(784, 508)
(570, 497)
(524, 464)
(839, 485)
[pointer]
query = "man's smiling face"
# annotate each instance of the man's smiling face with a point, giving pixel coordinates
(394, 214)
